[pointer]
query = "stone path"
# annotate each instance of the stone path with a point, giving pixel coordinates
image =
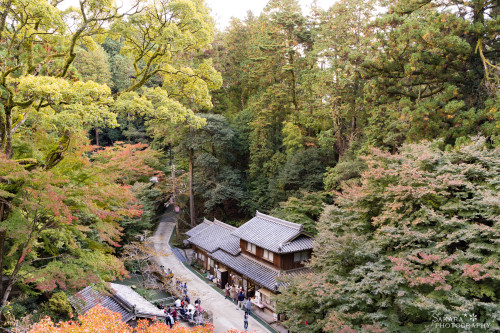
(226, 315)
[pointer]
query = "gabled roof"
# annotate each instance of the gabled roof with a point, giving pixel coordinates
(274, 234)
(300, 243)
(122, 299)
(215, 235)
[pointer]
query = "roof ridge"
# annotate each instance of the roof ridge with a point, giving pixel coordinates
(285, 223)
(207, 221)
(224, 225)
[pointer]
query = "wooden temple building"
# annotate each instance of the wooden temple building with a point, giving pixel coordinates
(252, 256)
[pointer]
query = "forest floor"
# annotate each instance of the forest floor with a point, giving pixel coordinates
(225, 313)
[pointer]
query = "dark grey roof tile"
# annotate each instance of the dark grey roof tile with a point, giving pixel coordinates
(300, 243)
(269, 232)
(255, 271)
(217, 235)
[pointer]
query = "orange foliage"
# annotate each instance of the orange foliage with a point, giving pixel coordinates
(102, 320)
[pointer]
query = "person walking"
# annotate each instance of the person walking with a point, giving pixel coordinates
(245, 321)
(241, 298)
(249, 305)
(187, 299)
(226, 292)
(174, 315)
(169, 320)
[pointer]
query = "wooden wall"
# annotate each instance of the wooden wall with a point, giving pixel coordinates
(259, 253)
(288, 263)
(281, 261)
(204, 263)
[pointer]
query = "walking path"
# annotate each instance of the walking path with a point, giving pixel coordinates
(225, 313)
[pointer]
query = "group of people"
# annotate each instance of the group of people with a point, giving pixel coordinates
(181, 287)
(167, 271)
(181, 308)
(237, 295)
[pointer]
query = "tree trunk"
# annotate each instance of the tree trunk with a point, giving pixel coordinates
(97, 136)
(191, 193)
(294, 82)
(172, 170)
(8, 133)
(3, 234)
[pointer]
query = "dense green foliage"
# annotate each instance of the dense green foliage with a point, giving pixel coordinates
(66, 207)
(416, 240)
(413, 233)
(357, 75)
(299, 104)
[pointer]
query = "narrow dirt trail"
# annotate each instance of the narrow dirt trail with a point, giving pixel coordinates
(226, 314)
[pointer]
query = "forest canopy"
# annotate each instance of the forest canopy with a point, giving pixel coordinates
(374, 124)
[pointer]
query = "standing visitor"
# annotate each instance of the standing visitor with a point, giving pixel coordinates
(241, 298)
(245, 321)
(169, 320)
(233, 293)
(249, 305)
(178, 303)
(226, 292)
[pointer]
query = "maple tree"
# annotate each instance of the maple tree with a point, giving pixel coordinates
(100, 319)
(415, 239)
(62, 224)
(60, 211)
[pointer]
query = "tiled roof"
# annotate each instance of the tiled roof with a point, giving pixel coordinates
(272, 233)
(216, 235)
(122, 300)
(206, 223)
(86, 299)
(255, 271)
(143, 308)
(300, 243)
(260, 273)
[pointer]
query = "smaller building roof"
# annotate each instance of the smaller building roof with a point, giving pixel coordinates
(122, 299)
(274, 234)
(300, 243)
(143, 308)
(215, 235)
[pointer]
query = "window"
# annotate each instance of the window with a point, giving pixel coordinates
(268, 255)
(300, 256)
(251, 248)
(210, 262)
(201, 256)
